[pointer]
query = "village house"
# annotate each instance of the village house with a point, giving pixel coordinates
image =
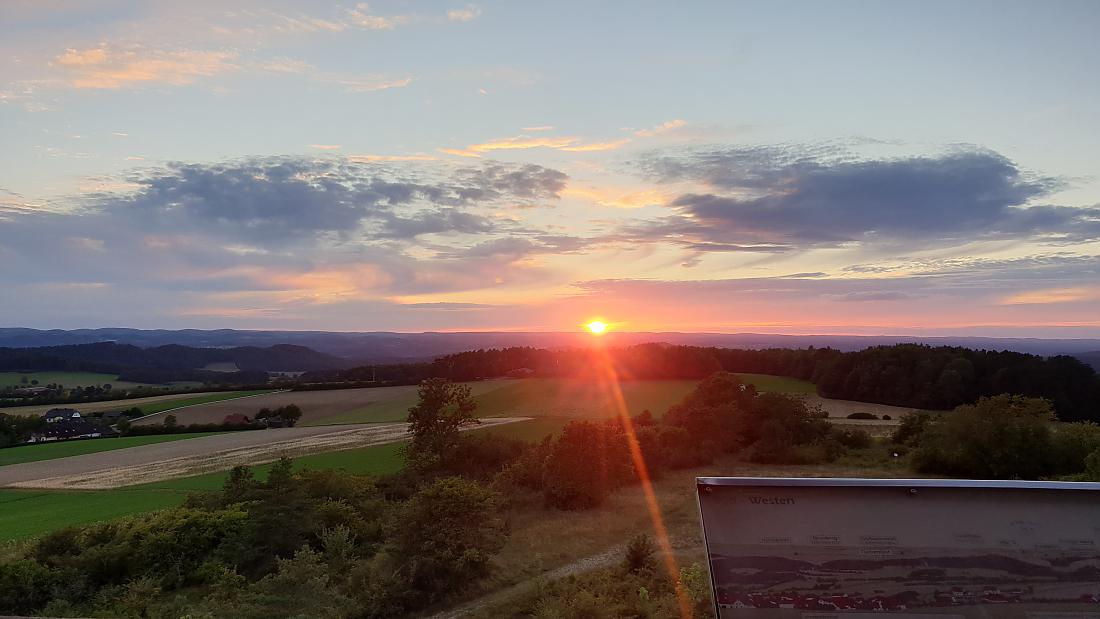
(63, 424)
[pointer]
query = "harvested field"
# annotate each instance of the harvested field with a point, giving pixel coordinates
(151, 463)
(114, 405)
(333, 406)
(840, 409)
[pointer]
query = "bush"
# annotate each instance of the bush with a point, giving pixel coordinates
(1072, 444)
(911, 428)
(25, 586)
(639, 555)
(1004, 437)
(862, 416)
(586, 463)
(481, 456)
(1092, 466)
(851, 438)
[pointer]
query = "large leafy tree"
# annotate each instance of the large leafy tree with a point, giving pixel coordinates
(441, 412)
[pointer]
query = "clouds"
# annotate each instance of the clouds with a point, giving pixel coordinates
(108, 68)
(284, 233)
(787, 198)
(273, 201)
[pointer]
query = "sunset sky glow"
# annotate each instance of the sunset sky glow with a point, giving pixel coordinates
(818, 167)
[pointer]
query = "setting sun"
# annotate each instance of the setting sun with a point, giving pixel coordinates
(596, 327)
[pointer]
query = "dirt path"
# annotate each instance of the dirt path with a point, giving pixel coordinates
(580, 566)
(152, 463)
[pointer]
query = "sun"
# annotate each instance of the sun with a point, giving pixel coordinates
(596, 327)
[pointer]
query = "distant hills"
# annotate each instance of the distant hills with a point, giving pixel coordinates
(385, 347)
(171, 362)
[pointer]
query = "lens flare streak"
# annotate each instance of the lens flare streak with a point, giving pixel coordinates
(609, 378)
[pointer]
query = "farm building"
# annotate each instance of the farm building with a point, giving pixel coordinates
(55, 415)
(64, 424)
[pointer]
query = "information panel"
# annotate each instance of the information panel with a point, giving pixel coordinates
(822, 548)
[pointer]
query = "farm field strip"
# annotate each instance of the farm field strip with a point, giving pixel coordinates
(840, 409)
(29, 513)
(108, 470)
(66, 449)
(114, 405)
(154, 410)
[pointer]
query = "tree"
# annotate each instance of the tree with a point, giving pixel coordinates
(639, 555)
(587, 462)
(1003, 437)
(290, 413)
(444, 538)
(442, 410)
(170, 421)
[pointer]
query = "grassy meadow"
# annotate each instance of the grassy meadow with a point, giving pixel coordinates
(561, 398)
(66, 379)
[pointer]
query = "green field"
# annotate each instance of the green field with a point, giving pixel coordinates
(29, 513)
(779, 384)
(64, 449)
(551, 397)
(574, 398)
(390, 403)
(65, 379)
(167, 405)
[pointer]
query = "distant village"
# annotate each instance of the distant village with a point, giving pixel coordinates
(64, 424)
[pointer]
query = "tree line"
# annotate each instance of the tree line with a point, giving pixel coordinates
(907, 375)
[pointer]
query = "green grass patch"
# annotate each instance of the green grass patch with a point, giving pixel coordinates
(393, 403)
(580, 399)
(64, 449)
(65, 379)
(30, 513)
(167, 405)
(532, 431)
(779, 384)
(374, 460)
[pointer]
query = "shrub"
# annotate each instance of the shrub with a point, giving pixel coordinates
(911, 428)
(639, 555)
(481, 456)
(1004, 437)
(585, 464)
(1072, 444)
(862, 416)
(24, 587)
(851, 438)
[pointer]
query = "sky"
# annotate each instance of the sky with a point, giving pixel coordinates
(776, 167)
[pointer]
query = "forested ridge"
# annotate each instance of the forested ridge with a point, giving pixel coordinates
(910, 375)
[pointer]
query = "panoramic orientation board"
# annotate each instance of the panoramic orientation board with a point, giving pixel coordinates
(821, 548)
